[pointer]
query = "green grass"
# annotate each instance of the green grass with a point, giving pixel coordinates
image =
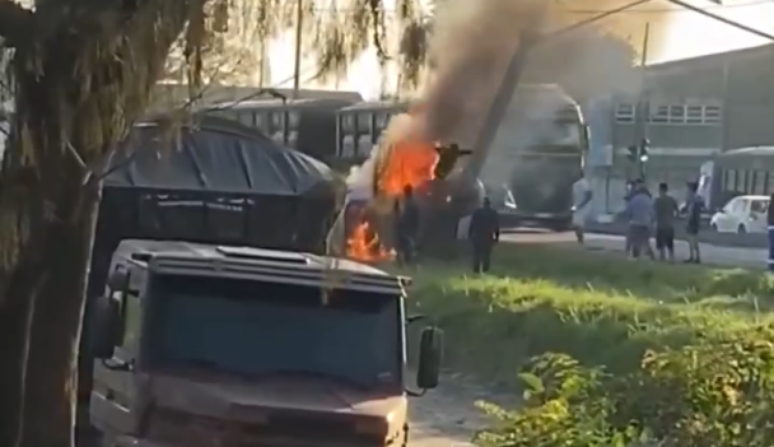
(600, 309)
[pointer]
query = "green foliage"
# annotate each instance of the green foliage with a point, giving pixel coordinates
(601, 310)
(719, 395)
(612, 353)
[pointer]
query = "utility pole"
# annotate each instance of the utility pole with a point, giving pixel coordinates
(299, 32)
(642, 113)
(510, 82)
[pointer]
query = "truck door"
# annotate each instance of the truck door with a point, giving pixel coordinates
(114, 397)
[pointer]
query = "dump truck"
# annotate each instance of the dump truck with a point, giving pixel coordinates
(229, 346)
(255, 352)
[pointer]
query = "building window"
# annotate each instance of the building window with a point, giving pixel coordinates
(676, 114)
(624, 113)
(694, 114)
(659, 115)
(712, 114)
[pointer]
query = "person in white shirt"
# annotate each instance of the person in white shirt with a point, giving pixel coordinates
(581, 197)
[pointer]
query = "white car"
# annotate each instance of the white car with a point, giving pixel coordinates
(743, 214)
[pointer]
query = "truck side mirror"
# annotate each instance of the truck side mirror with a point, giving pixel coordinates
(118, 280)
(430, 355)
(109, 322)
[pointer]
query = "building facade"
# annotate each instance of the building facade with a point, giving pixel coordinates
(694, 109)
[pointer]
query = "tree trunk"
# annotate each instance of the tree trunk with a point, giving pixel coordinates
(15, 321)
(83, 73)
(52, 367)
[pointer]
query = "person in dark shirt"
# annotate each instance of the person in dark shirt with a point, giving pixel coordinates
(407, 226)
(694, 206)
(483, 234)
(666, 210)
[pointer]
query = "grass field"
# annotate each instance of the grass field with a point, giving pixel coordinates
(599, 309)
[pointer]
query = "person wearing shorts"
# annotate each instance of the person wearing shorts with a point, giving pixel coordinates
(666, 209)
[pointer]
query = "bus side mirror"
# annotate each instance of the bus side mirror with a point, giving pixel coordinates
(430, 355)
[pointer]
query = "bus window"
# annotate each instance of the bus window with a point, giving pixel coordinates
(743, 180)
(346, 136)
(277, 119)
(247, 117)
(364, 123)
(294, 122)
(759, 188)
(730, 184)
(294, 119)
(380, 122)
(261, 120)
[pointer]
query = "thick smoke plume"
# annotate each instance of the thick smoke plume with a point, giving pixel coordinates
(473, 41)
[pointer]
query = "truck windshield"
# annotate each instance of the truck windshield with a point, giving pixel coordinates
(254, 329)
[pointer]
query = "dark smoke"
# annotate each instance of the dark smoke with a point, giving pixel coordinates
(474, 40)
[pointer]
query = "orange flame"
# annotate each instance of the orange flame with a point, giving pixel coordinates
(406, 162)
(365, 245)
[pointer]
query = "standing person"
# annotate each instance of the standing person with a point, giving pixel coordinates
(630, 186)
(407, 226)
(581, 197)
(694, 205)
(483, 234)
(770, 222)
(666, 209)
(639, 210)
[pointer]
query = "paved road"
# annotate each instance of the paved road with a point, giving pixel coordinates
(711, 254)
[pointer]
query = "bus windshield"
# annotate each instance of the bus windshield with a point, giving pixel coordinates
(558, 133)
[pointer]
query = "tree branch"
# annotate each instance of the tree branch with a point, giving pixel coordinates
(15, 22)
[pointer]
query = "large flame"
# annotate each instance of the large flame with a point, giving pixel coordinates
(407, 163)
(405, 158)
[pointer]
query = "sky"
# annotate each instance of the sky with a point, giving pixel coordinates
(688, 34)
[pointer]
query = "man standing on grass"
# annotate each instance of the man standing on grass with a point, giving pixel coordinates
(407, 226)
(483, 234)
(666, 209)
(581, 196)
(694, 205)
(639, 211)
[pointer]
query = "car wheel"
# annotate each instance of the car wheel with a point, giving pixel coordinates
(742, 229)
(714, 227)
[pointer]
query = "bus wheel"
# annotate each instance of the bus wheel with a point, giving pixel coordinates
(741, 229)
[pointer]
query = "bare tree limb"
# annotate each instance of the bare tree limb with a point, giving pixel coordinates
(15, 22)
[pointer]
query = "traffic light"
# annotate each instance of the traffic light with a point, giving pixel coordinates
(644, 148)
(639, 153)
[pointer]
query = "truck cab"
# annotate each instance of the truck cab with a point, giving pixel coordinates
(205, 345)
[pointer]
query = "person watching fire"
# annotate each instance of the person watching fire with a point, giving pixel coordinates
(407, 226)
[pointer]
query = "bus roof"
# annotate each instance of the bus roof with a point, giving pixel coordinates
(269, 104)
(377, 106)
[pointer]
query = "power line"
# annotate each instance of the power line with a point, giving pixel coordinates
(676, 10)
(750, 4)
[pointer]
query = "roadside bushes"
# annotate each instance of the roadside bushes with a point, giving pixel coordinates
(705, 395)
(613, 353)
